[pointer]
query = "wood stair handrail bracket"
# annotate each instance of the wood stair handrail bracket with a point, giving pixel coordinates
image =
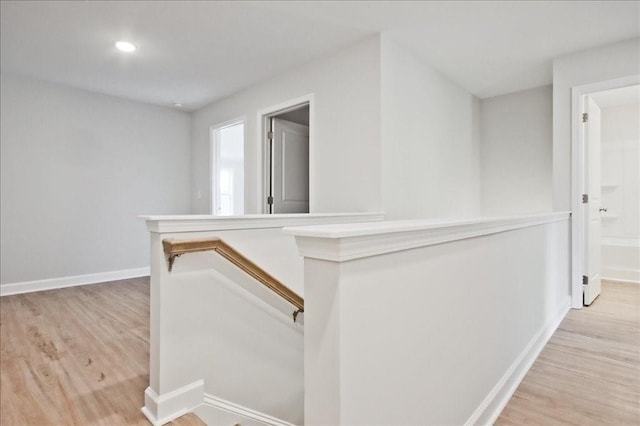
(175, 248)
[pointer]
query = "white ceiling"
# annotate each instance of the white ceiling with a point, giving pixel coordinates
(196, 52)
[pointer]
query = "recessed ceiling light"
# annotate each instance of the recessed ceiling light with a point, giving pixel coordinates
(125, 46)
(177, 104)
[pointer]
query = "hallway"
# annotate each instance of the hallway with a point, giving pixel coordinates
(589, 371)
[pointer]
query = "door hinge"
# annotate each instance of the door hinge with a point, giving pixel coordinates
(585, 280)
(270, 200)
(585, 198)
(585, 117)
(270, 135)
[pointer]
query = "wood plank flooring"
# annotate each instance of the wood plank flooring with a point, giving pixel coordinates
(76, 356)
(80, 356)
(589, 371)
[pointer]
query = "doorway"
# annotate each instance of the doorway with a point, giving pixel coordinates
(620, 183)
(286, 159)
(606, 181)
(227, 168)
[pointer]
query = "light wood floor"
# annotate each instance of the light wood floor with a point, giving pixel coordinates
(589, 371)
(80, 356)
(76, 356)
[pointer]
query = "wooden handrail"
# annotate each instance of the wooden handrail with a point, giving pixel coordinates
(175, 248)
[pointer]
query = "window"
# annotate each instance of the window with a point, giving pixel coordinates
(228, 169)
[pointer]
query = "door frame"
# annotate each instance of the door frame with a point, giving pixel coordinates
(263, 116)
(213, 156)
(578, 185)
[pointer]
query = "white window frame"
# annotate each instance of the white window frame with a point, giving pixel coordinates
(213, 156)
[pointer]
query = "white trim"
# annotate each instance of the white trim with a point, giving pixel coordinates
(211, 401)
(261, 160)
(161, 409)
(620, 280)
(489, 410)
(577, 173)
(53, 283)
(344, 242)
(621, 275)
(212, 154)
(197, 223)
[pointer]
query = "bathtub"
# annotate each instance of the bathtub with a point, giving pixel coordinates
(621, 259)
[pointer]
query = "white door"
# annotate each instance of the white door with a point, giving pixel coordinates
(592, 250)
(290, 167)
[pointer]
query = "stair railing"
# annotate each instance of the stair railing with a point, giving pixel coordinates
(176, 248)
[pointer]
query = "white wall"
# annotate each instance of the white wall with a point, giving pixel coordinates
(621, 193)
(243, 344)
(591, 66)
(516, 134)
(430, 140)
(455, 315)
(621, 167)
(245, 350)
(345, 150)
(77, 168)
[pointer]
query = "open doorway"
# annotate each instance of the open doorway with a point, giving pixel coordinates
(608, 219)
(286, 159)
(620, 183)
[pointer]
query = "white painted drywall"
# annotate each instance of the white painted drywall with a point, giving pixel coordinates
(516, 135)
(77, 168)
(621, 192)
(621, 167)
(591, 66)
(240, 336)
(206, 325)
(440, 334)
(430, 140)
(345, 147)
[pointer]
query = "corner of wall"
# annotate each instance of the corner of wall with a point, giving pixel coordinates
(430, 153)
(161, 409)
(78, 168)
(346, 85)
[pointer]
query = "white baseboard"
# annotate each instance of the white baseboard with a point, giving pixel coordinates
(216, 411)
(161, 409)
(621, 275)
(621, 280)
(487, 413)
(53, 283)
